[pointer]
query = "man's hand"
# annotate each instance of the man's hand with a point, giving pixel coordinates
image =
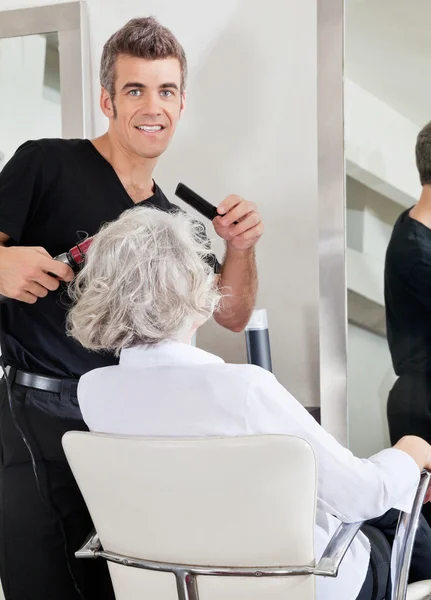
(24, 273)
(248, 228)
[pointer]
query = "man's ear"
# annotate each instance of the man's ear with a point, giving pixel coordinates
(106, 104)
(183, 104)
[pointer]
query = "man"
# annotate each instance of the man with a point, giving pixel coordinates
(50, 190)
(408, 310)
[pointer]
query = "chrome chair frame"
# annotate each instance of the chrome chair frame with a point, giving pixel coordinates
(328, 565)
(402, 547)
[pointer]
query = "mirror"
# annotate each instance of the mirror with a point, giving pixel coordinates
(30, 69)
(387, 102)
(43, 67)
(43, 76)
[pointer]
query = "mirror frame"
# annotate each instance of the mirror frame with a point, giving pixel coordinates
(332, 210)
(69, 20)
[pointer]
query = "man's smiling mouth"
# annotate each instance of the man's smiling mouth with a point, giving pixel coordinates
(149, 128)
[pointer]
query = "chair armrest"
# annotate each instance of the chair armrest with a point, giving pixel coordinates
(91, 547)
(337, 547)
(402, 547)
(401, 550)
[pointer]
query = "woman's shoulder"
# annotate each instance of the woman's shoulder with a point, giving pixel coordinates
(250, 373)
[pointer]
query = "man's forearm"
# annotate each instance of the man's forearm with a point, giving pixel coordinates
(239, 280)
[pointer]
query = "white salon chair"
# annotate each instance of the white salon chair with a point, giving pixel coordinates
(213, 518)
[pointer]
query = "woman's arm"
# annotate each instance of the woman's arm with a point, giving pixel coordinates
(350, 488)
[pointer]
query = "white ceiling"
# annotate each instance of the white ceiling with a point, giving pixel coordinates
(388, 52)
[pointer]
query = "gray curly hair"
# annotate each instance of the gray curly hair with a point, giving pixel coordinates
(145, 281)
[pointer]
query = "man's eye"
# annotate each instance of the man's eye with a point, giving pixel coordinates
(166, 93)
(135, 93)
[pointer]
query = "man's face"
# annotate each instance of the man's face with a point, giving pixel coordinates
(147, 104)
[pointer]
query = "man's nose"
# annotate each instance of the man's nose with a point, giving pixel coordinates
(152, 106)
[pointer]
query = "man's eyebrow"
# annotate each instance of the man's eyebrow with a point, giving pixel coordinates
(169, 85)
(133, 84)
(141, 86)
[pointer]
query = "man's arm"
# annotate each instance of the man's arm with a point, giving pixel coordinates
(240, 225)
(24, 272)
(418, 280)
(238, 278)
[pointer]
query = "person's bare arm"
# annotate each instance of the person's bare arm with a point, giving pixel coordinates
(417, 448)
(240, 225)
(239, 277)
(420, 452)
(24, 272)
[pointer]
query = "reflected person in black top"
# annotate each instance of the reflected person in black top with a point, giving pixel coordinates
(408, 310)
(50, 190)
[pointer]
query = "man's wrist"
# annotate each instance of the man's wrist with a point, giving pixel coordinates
(231, 251)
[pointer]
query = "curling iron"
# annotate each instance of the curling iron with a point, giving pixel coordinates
(76, 255)
(73, 258)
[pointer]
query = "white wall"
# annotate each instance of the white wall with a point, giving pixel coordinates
(370, 377)
(250, 128)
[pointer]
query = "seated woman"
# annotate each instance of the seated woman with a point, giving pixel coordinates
(142, 294)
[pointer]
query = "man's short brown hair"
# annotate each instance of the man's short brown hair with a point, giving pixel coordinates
(423, 154)
(140, 38)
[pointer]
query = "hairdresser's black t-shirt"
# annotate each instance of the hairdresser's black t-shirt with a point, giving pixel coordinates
(408, 296)
(51, 190)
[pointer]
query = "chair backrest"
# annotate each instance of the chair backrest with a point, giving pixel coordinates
(221, 502)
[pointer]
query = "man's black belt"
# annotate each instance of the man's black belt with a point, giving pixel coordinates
(45, 383)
